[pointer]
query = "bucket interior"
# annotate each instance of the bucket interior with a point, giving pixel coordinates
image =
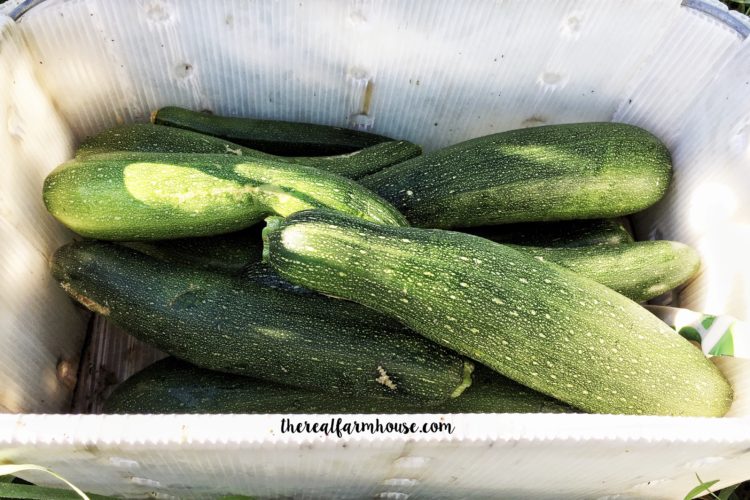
(434, 73)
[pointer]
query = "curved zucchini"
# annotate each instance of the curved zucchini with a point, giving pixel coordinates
(234, 325)
(575, 233)
(148, 138)
(554, 172)
(147, 196)
(541, 325)
(270, 136)
(174, 386)
(640, 271)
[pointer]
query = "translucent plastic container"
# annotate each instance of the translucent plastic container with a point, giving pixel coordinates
(438, 72)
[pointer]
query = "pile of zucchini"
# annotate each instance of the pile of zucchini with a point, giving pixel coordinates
(286, 265)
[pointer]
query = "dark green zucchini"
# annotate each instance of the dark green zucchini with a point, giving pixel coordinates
(151, 196)
(270, 136)
(223, 253)
(490, 392)
(231, 324)
(554, 172)
(231, 252)
(575, 233)
(174, 386)
(541, 325)
(236, 253)
(640, 271)
(263, 274)
(148, 138)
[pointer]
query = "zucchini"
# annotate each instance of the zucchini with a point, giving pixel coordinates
(575, 233)
(541, 325)
(140, 137)
(490, 392)
(236, 254)
(174, 386)
(263, 274)
(148, 196)
(554, 172)
(230, 253)
(639, 271)
(270, 136)
(230, 324)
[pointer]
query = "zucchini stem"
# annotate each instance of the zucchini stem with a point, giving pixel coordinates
(272, 224)
(466, 382)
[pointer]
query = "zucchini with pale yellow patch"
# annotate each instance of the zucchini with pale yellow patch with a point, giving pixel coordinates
(151, 196)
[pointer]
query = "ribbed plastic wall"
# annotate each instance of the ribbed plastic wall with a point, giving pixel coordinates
(40, 330)
(487, 456)
(438, 72)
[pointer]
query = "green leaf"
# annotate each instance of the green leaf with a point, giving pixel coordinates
(6, 479)
(727, 492)
(707, 321)
(690, 333)
(725, 345)
(701, 488)
(236, 497)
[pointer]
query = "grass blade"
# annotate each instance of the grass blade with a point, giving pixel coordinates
(31, 492)
(12, 469)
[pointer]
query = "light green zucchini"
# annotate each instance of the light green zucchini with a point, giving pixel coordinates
(541, 325)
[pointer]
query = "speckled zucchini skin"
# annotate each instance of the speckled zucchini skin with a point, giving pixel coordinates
(554, 172)
(270, 136)
(540, 325)
(639, 271)
(574, 233)
(234, 325)
(151, 196)
(142, 137)
(174, 386)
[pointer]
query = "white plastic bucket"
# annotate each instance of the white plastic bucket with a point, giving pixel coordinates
(439, 72)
